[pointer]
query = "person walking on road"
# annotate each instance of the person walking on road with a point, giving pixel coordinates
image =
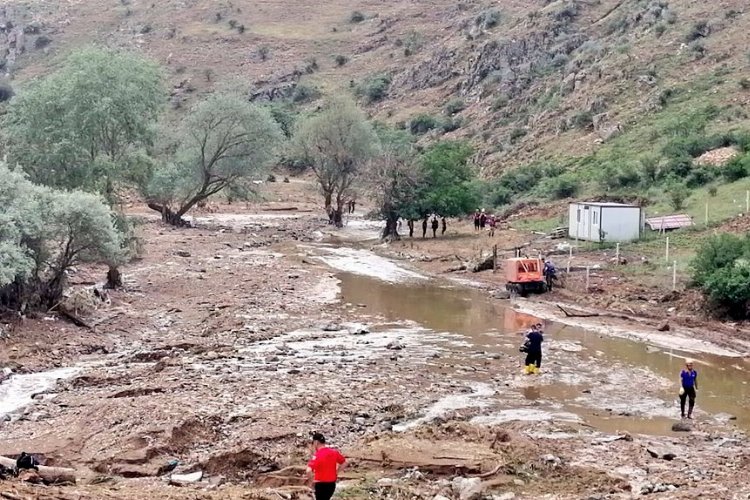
(688, 388)
(324, 468)
(435, 225)
(477, 215)
(533, 346)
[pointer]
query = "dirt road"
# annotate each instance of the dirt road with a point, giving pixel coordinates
(234, 340)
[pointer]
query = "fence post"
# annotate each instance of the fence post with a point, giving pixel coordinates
(617, 254)
(570, 257)
(588, 272)
(674, 275)
(666, 251)
(494, 258)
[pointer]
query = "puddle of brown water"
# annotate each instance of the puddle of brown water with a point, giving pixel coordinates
(490, 325)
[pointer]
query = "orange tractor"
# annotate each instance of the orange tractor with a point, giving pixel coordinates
(525, 276)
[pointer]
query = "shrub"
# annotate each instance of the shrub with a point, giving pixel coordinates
(488, 19)
(712, 190)
(304, 93)
(241, 29)
(737, 168)
(660, 29)
(699, 30)
(698, 49)
(677, 193)
(356, 17)
(499, 103)
(454, 106)
(421, 124)
(340, 60)
(649, 169)
(374, 88)
(583, 120)
(412, 43)
(721, 269)
(559, 60)
(567, 13)
(498, 196)
(311, 65)
(44, 233)
(451, 124)
(232, 23)
(744, 83)
(264, 52)
(563, 186)
(6, 91)
(516, 134)
(700, 176)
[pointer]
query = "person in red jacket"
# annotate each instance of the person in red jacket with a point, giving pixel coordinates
(324, 468)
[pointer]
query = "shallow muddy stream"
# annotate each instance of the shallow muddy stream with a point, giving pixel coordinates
(610, 383)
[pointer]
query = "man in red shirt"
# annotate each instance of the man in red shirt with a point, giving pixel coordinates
(324, 468)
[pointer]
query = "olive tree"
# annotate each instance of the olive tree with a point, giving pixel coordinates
(87, 125)
(336, 143)
(43, 233)
(223, 141)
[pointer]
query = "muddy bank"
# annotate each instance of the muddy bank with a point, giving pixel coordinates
(227, 354)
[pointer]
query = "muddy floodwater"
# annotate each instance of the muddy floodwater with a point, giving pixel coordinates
(610, 383)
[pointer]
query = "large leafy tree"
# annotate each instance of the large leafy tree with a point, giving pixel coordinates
(447, 176)
(336, 143)
(223, 141)
(43, 233)
(87, 125)
(721, 269)
(394, 177)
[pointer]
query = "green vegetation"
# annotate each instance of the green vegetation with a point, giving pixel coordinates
(340, 60)
(337, 144)
(44, 232)
(6, 91)
(423, 123)
(356, 17)
(722, 271)
(374, 88)
(455, 105)
(488, 19)
(88, 125)
(224, 141)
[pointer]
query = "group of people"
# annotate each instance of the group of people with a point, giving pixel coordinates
(483, 221)
(532, 347)
(428, 221)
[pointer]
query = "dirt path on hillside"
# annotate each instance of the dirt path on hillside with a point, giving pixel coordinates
(232, 341)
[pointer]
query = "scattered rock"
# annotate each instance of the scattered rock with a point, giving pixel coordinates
(552, 460)
(663, 453)
(332, 327)
(501, 294)
(182, 253)
(681, 427)
(395, 346)
(467, 488)
(664, 327)
(184, 479)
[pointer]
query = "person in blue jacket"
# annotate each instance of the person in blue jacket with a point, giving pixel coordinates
(688, 388)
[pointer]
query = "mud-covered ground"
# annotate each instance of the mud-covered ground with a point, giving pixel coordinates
(232, 341)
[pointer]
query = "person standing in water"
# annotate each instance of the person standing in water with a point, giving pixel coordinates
(534, 341)
(688, 388)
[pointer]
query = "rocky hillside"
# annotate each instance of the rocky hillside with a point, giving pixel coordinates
(524, 80)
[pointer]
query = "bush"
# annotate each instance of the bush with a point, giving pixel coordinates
(712, 190)
(413, 43)
(700, 176)
(567, 13)
(744, 83)
(304, 93)
(659, 30)
(451, 124)
(698, 30)
(563, 186)
(374, 88)
(44, 233)
(356, 17)
(6, 92)
(264, 52)
(340, 60)
(454, 106)
(421, 124)
(560, 60)
(737, 168)
(516, 134)
(583, 120)
(698, 48)
(488, 19)
(499, 103)
(311, 65)
(677, 193)
(721, 269)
